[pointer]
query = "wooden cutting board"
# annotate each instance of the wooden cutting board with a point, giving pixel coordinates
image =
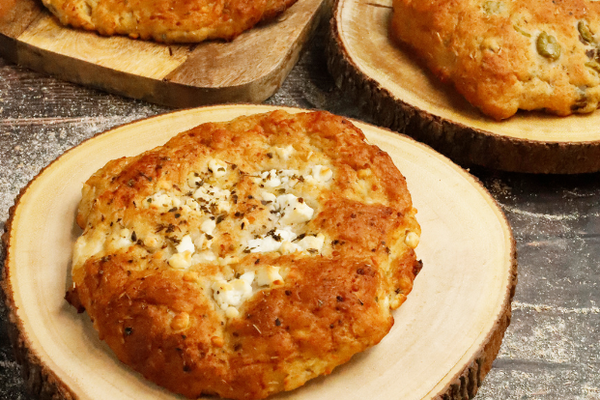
(403, 95)
(445, 336)
(248, 69)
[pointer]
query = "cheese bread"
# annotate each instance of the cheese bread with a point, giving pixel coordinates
(244, 258)
(506, 55)
(167, 20)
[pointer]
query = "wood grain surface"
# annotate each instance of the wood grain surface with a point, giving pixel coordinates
(551, 349)
(248, 69)
(404, 96)
(445, 336)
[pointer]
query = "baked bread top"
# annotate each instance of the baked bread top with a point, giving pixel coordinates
(504, 55)
(245, 258)
(167, 20)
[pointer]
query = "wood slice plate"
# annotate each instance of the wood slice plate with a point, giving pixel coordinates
(445, 336)
(248, 69)
(401, 94)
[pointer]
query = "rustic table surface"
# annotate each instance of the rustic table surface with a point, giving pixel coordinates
(552, 347)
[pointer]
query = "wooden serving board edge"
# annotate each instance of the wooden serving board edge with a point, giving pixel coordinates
(160, 91)
(42, 383)
(156, 91)
(463, 144)
(464, 385)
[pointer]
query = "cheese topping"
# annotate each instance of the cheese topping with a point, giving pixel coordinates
(183, 258)
(286, 242)
(230, 295)
(293, 209)
(185, 245)
(208, 200)
(272, 241)
(211, 195)
(162, 200)
(208, 226)
(234, 292)
(285, 152)
(123, 239)
(268, 275)
(321, 173)
(412, 240)
(217, 167)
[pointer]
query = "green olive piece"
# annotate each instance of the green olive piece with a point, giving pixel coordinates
(492, 7)
(547, 46)
(521, 31)
(585, 32)
(593, 65)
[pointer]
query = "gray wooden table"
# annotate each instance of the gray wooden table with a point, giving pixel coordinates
(552, 347)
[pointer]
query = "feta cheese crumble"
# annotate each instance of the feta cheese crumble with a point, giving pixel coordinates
(293, 209)
(268, 275)
(211, 197)
(162, 200)
(234, 292)
(285, 152)
(217, 167)
(185, 245)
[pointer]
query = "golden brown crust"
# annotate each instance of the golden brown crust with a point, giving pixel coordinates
(501, 54)
(167, 20)
(330, 301)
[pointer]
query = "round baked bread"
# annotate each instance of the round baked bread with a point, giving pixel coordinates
(167, 21)
(245, 258)
(507, 55)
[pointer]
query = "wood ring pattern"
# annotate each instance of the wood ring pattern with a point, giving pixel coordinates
(445, 338)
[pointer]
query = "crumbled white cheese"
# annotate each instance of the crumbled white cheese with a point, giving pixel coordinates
(267, 196)
(208, 226)
(181, 260)
(289, 172)
(286, 178)
(285, 233)
(194, 180)
(293, 209)
(211, 194)
(307, 243)
(284, 152)
(231, 312)
(312, 242)
(217, 167)
(272, 241)
(289, 177)
(263, 245)
(412, 240)
(123, 239)
(162, 200)
(185, 245)
(204, 256)
(192, 204)
(248, 277)
(288, 247)
(321, 173)
(85, 247)
(233, 293)
(199, 241)
(223, 206)
(270, 178)
(152, 241)
(268, 275)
